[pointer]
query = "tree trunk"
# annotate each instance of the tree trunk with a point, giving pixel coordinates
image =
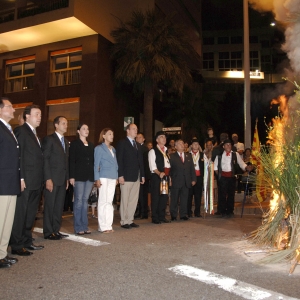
(148, 110)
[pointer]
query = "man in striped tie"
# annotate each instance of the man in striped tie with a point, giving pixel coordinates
(56, 175)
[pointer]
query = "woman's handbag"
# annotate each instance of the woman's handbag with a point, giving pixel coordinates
(93, 196)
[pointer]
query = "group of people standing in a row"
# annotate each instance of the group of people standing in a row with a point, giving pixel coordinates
(29, 166)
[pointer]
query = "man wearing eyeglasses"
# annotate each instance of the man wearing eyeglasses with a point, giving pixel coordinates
(10, 185)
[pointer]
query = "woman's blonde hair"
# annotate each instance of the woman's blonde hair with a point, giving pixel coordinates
(102, 133)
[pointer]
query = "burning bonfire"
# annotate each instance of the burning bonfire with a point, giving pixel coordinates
(280, 162)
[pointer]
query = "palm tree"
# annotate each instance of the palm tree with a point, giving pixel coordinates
(148, 50)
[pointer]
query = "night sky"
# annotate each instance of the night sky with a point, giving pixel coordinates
(228, 14)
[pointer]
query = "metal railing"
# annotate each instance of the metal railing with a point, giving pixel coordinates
(19, 84)
(66, 77)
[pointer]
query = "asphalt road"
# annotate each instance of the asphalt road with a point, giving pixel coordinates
(135, 264)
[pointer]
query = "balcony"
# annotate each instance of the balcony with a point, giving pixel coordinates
(19, 84)
(66, 77)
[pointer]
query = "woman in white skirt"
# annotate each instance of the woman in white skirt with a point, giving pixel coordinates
(106, 175)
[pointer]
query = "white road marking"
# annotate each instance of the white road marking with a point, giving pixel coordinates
(78, 239)
(240, 288)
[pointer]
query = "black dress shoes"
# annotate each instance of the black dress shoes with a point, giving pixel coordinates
(184, 218)
(173, 219)
(156, 222)
(11, 260)
(165, 221)
(4, 263)
(134, 225)
(35, 247)
(126, 226)
(21, 252)
(61, 235)
(53, 237)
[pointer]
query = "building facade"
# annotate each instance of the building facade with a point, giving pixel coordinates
(56, 54)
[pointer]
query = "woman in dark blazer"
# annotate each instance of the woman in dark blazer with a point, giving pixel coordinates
(106, 175)
(81, 177)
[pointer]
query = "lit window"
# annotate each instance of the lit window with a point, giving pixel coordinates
(66, 67)
(19, 74)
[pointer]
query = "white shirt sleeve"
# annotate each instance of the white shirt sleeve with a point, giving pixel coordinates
(216, 162)
(241, 162)
(151, 159)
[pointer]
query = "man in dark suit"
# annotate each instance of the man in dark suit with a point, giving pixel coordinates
(31, 182)
(183, 177)
(9, 179)
(56, 174)
(197, 189)
(144, 188)
(131, 174)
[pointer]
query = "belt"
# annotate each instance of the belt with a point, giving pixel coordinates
(226, 174)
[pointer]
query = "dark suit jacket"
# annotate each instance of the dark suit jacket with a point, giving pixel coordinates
(182, 174)
(9, 163)
(56, 165)
(31, 157)
(145, 152)
(130, 161)
(81, 161)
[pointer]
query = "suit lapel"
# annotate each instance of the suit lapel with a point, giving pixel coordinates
(107, 151)
(57, 140)
(4, 127)
(31, 134)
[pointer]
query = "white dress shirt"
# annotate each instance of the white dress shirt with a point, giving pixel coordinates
(226, 162)
(152, 158)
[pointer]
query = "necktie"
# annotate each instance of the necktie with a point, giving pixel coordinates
(34, 131)
(11, 131)
(181, 157)
(227, 153)
(63, 143)
(134, 144)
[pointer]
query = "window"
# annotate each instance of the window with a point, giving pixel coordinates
(223, 40)
(208, 41)
(66, 67)
(266, 63)
(19, 74)
(253, 39)
(236, 40)
(208, 61)
(230, 61)
(254, 61)
(68, 108)
(265, 43)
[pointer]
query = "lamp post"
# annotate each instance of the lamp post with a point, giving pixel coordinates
(247, 116)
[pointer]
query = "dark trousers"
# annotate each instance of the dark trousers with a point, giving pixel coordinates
(195, 191)
(176, 194)
(143, 199)
(227, 192)
(158, 201)
(53, 209)
(25, 213)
